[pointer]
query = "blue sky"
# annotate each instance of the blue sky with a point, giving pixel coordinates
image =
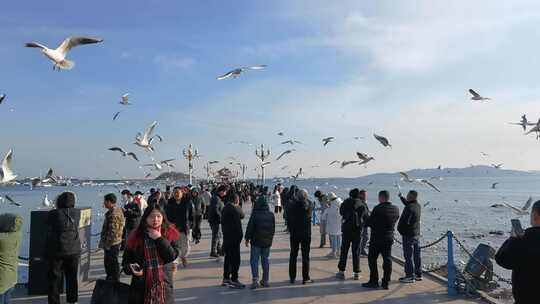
(401, 70)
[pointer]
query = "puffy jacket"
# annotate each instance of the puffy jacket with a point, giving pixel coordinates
(231, 223)
(382, 222)
(332, 218)
(63, 232)
(214, 210)
(10, 244)
(299, 218)
(113, 227)
(261, 226)
(409, 222)
(355, 214)
(522, 256)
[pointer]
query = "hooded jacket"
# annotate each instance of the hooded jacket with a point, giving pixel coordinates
(63, 232)
(10, 244)
(522, 256)
(261, 226)
(332, 217)
(355, 213)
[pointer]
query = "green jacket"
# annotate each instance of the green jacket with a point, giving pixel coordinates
(10, 244)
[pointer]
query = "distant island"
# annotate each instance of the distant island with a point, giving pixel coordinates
(472, 171)
(172, 176)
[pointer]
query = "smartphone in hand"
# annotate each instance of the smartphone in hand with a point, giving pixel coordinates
(135, 267)
(517, 230)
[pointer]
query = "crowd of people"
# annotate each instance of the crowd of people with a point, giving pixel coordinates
(155, 236)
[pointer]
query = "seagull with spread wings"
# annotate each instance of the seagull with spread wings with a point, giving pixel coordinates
(285, 153)
(477, 97)
(124, 153)
(406, 178)
(2, 97)
(12, 201)
(520, 211)
(364, 158)
(334, 162)
(535, 129)
(237, 72)
(348, 162)
(327, 140)
(524, 123)
(497, 166)
(6, 173)
(145, 140)
(58, 55)
(291, 142)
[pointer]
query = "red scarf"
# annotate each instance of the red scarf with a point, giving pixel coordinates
(153, 264)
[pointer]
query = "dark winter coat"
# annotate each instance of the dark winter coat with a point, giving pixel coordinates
(261, 226)
(214, 210)
(168, 250)
(299, 213)
(382, 222)
(522, 256)
(355, 214)
(63, 232)
(132, 213)
(180, 214)
(409, 222)
(231, 224)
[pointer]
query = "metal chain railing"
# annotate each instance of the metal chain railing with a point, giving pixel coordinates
(427, 245)
(464, 249)
(91, 251)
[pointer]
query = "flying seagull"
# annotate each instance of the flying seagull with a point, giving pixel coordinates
(327, 140)
(494, 185)
(145, 140)
(125, 100)
(156, 166)
(237, 72)
(280, 134)
(334, 162)
(2, 97)
(12, 201)
(265, 164)
(535, 129)
(348, 162)
(284, 153)
(291, 142)
(213, 162)
(298, 174)
(405, 177)
(383, 140)
(484, 154)
(6, 174)
(524, 123)
(58, 55)
(522, 210)
(116, 115)
(124, 153)
(476, 96)
(364, 158)
(497, 166)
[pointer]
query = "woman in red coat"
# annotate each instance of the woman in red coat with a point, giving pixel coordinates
(148, 257)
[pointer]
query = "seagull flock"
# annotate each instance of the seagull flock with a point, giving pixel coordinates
(147, 139)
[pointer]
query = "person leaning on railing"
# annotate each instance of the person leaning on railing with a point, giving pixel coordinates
(521, 254)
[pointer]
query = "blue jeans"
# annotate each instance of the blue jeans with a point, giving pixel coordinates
(335, 242)
(411, 252)
(5, 298)
(263, 254)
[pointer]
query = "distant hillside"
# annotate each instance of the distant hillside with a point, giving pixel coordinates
(473, 171)
(172, 176)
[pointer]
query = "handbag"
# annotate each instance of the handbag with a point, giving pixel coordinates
(110, 292)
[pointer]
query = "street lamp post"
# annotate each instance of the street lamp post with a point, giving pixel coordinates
(190, 154)
(262, 155)
(243, 168)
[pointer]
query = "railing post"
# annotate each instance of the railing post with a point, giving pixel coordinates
(450, 265)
